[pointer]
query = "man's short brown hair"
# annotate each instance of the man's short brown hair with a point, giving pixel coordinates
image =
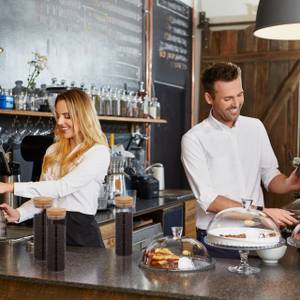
(224, 71)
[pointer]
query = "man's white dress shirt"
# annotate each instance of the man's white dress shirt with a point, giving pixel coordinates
(77, 191)
(229, 162)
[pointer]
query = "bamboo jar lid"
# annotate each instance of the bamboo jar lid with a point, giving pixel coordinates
(42, 202)
(55, 213)
(124, 201)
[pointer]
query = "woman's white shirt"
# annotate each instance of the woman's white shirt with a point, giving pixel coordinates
(77, 191)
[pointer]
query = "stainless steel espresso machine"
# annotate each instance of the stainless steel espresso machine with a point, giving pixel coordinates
(116, 177)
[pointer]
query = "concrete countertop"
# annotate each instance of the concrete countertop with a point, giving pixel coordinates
(101, 269)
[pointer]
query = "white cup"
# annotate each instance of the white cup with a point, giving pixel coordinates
(159, 173)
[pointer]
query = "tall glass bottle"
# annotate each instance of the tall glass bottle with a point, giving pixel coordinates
(56, 239)
(39, 226)
(141, 92)
(124, 225)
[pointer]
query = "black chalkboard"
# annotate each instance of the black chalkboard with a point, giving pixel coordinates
(172, 42)
(172, 32)
(86, 41)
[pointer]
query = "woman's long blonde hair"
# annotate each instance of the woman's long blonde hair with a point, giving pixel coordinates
(82, 112)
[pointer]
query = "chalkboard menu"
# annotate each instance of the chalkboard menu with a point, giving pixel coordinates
(86, 41)
(172, 32)
(172, 42)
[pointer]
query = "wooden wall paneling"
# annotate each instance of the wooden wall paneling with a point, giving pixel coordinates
(263, 45)
(294, 45)
(283, 92)
(261, 89)
(228, 42)
(279, 45)
(249, 86)
(247, 42)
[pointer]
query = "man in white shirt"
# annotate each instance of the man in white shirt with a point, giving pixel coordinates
(227, 156)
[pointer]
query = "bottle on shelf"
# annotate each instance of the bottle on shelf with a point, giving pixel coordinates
(115, 101)
(154, 108)
(100, 109)
(141, 91)
(140, 105)
(146, 107)
(135, 108)
(107, 103)
(129, 105)
(19, 88)
(123, 104)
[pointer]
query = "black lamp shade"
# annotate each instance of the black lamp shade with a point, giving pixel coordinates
(278, 20)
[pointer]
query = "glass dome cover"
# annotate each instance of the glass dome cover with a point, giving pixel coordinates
(176, 253)
(243, 227)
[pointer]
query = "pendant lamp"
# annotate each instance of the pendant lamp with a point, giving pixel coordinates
(278, 20)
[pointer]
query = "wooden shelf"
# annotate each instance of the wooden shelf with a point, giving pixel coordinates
(101, 118)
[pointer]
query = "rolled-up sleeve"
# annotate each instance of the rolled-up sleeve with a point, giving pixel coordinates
(269, 163)
(196, 169)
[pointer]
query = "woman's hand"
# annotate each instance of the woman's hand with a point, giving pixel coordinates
(6, 187)
(10, 214)
(281, 217)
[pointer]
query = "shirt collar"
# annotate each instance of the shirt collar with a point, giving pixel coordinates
(219, 124)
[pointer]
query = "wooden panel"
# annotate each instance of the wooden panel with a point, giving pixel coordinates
(190, 218)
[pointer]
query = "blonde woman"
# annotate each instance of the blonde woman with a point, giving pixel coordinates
(73, 170)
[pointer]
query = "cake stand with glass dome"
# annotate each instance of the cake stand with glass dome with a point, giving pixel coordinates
(243, 229)
(176, 254)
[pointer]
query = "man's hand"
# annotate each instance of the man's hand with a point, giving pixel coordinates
(6, 187)
(10, 214)
(280, 216)
(293, 181)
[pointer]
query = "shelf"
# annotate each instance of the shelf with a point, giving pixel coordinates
(101, 118)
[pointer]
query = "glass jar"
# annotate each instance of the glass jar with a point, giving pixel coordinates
(135, 109)
(39, 226)
(56, 239)
(146, 107)
(123, 104)
(107, 104)
(116, 109)
(140, 106)
(124, 225)
(19, 88)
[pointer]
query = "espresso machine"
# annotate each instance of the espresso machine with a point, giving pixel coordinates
(116, 177)
(9, 173)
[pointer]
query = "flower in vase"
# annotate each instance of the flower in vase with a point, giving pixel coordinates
(38, 64)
